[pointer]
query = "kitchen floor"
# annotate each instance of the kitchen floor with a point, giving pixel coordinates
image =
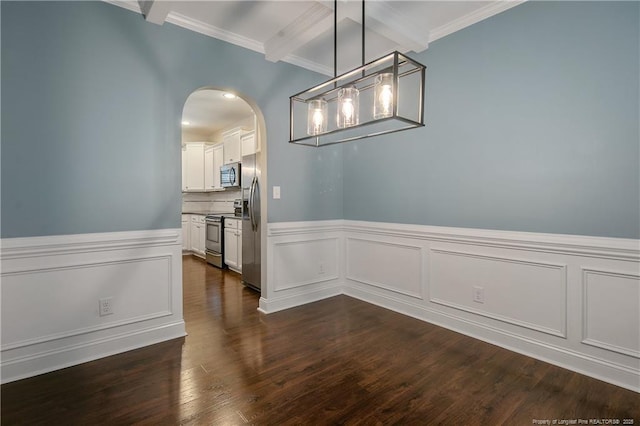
(337, 361)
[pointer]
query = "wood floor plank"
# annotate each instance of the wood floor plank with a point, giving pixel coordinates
(336, 361)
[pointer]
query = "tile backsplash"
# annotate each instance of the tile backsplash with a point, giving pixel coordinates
(209, 202)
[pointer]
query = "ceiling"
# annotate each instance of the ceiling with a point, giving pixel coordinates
(301, 33)
(208, 111)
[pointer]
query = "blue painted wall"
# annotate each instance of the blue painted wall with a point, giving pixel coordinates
(92, 99)
(532, 125)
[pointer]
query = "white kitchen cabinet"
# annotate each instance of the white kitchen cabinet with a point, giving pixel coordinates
(195, 167)
(209, 184)
(186, 232)
(218, 161)
(232, 147)
(233, 244)
(197, 234)
(193, 233)
(248, 143)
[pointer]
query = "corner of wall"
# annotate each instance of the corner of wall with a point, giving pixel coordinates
(543, 295)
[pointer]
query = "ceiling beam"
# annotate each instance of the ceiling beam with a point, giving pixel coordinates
(313, 22)
(155, 11)
(385, 19)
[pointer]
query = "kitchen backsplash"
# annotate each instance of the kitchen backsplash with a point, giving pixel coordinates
(209, 202)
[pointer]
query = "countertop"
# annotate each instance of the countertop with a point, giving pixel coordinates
(206, 213)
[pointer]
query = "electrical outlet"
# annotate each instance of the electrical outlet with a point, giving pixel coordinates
(478, 294)
(321, 268)
(106, 306)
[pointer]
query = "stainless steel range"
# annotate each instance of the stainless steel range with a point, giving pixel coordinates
(214, 244)
(214, 235)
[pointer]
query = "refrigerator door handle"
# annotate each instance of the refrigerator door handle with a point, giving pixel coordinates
(252, 204)
(251, 190)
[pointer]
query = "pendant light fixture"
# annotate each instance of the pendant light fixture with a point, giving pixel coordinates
(382, 96)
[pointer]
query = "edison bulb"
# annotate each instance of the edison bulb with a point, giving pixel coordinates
(383, 92)
(347, 111)
(317, 117)
(348, 103)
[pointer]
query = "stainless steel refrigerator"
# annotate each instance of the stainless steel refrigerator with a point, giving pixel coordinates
(251, 229)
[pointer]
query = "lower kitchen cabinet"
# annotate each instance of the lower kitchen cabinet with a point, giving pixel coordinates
(197, 234)
(233, 244)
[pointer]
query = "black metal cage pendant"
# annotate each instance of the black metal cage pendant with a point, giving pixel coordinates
(383, 96)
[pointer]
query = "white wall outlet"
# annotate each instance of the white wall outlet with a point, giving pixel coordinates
(321, 268)
(478, 294)
(106, 306)
(276, 192)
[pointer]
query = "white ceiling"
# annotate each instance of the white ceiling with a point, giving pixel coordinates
(207, 112)
(301, 33)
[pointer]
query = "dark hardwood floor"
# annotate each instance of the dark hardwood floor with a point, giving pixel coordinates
(337, 361)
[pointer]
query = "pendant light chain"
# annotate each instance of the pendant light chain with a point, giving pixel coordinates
(335, 40)
(363, 36)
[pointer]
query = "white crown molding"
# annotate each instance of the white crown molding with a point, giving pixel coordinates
(390, 25)
(238, 40)
(215, 32)
(472, 18)
(131, 5)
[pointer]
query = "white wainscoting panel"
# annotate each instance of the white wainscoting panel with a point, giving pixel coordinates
(611, 311)
(388, 265)
(518, 291)
(304, 264)
(51, 287)
(547, 296)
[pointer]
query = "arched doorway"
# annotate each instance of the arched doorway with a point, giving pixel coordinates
(210, 115)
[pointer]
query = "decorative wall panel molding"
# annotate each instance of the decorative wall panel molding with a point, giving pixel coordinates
(611, 311)
(398, 267)
(51, 287)
(303, 264)
(547, 296)
(522, 292)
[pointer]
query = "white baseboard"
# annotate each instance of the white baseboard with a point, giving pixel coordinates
(291, 301)
(50, 292)
(547, 296)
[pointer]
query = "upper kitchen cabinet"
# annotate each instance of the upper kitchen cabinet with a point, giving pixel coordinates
(232, 145)
(213, 158)
(199, 168)
(218, 161)
(194, 165)
(209, 184)
(248, 143)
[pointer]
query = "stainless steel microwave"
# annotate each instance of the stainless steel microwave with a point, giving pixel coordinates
(230, 175)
